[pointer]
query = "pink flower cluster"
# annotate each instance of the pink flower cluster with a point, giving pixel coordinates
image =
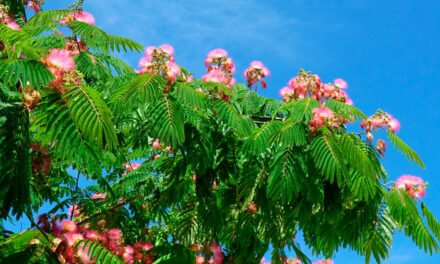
(220, 69)
(68, 234)
(255, 73)
(324, 116)
(307, 85)
(8, 19)
(214, 250)
(380, 120)
(34, 5)
(413, 185)
(160, 61)
(61, 64)
(80, 16)
(130, 167)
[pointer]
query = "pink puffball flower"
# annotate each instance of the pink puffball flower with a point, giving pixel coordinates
(213, 54)
(147, 246)
(413, 185)
(285, 91)
(60, 59)
(13, 25)
(115, 235)
(323, 112)
(394, 125)
(340, 83)
(200, 260)
(83, 254)
(214, 75)
(134, 166)
(156, 144)
(128, 254)
(98, 195)
(173, 71)
(259, 65)
(168, 49)
(145, 61)
(149, 51)
(68, 225)
(72, 238)
(84, 17)
(34, 6)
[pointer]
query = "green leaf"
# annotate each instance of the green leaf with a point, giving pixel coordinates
(405, 149)
(240, 124)
(26, 70)
(328, 158)
(91, 115)
(285, 175)
(167, 121)
(187, 94)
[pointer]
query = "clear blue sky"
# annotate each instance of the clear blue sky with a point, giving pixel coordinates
(387, 51)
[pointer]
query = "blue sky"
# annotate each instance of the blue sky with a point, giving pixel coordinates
(387, 51)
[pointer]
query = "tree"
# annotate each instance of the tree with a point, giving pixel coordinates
(225, 172)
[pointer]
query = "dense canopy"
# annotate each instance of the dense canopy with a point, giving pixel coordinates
(185, 170)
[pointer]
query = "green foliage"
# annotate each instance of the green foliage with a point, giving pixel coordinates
(231, 167)
(402, 147)
(100, 41)
(25, 70)
(97, 252)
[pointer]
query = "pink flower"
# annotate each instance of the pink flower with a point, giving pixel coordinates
(168, 49)
(259, 65)
(394, 125)
(68, 225)
(13, 25)
(98, 195)
(173, 71)
(115, 234)
(128, 254)
(200, 260)
(340, 83)
(72, 238)
(285, 91)
(323, 112)
(214, 75)
(34, 6)
(156, 144)
(317, 80)
(60, 59)
(213, 54)
(413, 185)
(84, 17)
(145, 61)
(149, 51)
(83, 254)
(135, 165)
(147, 246)
(329, 89)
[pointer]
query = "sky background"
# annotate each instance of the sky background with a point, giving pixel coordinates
(387, 51)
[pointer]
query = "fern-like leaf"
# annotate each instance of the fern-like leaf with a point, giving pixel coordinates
(26, 70)
(328, 158)
(405, 149)
(91, 115)
(285, 175)
(98, 253)
(167, 121)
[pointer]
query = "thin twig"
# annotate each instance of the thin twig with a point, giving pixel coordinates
(39, 228)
